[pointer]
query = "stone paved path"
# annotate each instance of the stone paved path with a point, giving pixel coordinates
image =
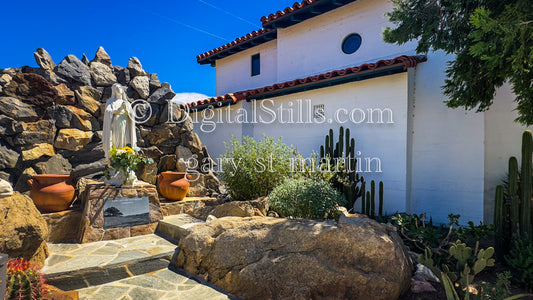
(66, 258)
(128, 269)
(163, 284)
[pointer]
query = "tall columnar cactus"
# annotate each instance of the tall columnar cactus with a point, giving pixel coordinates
(349, 183)
(499, 222)
(513, 212)
(373, 197)
(380, 207)
(525, 182)
(514, 216)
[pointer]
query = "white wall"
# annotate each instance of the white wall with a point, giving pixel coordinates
(213, 127)
(435, 159)
(384, 141)
(233, 73)
(314, 45)
(448, 155)
(503, 139)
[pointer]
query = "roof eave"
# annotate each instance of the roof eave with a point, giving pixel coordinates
(285, 19)
(204, 59)
(368, 74)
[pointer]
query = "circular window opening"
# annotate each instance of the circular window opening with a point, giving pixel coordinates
(351, 43)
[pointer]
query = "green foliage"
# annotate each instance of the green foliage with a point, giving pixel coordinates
(24, 281)
(306, 198)
(419, 233)
(312, 168)
(125, 159)
(492, 41)
(469, 263)
(464, 264)
(451, 293)
(251, 169)
(520, 259)
(500, 290)
(473, 233)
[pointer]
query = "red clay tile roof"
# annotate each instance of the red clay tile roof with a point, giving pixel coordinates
(364, 71)
(288, 10)
(289, 16)
(228, 98)
(305, 10)
(405, 61)
(252, 39)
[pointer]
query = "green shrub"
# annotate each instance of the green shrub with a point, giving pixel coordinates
(251, 169)
(312, 168)
(500, 290)
(520, 258)
(306, 198)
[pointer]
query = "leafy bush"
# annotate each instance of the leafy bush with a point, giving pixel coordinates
(251, 169)
(312, 168)
(306, 198)
(520, 259)
(473, 233)
(500, 290)
(419, 233)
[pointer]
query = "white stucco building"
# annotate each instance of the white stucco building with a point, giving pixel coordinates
(328, 56)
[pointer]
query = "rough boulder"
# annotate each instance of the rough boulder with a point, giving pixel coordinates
(273, 258)
(23, 229)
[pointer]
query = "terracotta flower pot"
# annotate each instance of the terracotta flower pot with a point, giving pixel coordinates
(51, 192)
(173, 185)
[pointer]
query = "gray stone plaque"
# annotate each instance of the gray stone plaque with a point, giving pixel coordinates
(127, 211)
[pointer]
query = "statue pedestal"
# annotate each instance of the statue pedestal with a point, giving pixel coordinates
(111, 212)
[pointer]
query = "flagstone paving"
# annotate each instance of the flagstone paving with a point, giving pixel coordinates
(131, 268)
(69, 258)
(162, 284)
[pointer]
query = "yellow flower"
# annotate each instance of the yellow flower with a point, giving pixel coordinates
(128, 149)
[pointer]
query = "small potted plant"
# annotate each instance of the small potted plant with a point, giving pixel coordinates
(122, 165)
(24, 281)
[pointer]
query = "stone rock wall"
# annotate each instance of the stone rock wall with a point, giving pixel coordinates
(51, 121)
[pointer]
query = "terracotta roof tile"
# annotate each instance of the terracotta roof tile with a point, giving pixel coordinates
(301, 11)
(260, 36)
(219, 100)
(404, 62)
(288, 10)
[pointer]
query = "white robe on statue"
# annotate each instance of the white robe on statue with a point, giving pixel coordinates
(119, 129)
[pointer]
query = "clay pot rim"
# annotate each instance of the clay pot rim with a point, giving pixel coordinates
(173, 172)
(51, 176)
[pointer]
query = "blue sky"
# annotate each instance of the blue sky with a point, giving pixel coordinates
(165, 35)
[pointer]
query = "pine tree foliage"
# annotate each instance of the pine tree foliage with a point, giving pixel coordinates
(492, 43)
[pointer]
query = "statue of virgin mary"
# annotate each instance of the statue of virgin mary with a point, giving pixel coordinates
(119, 129)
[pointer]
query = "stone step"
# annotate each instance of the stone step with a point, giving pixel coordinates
(166, 284)
(176, 227)
(75, 266)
